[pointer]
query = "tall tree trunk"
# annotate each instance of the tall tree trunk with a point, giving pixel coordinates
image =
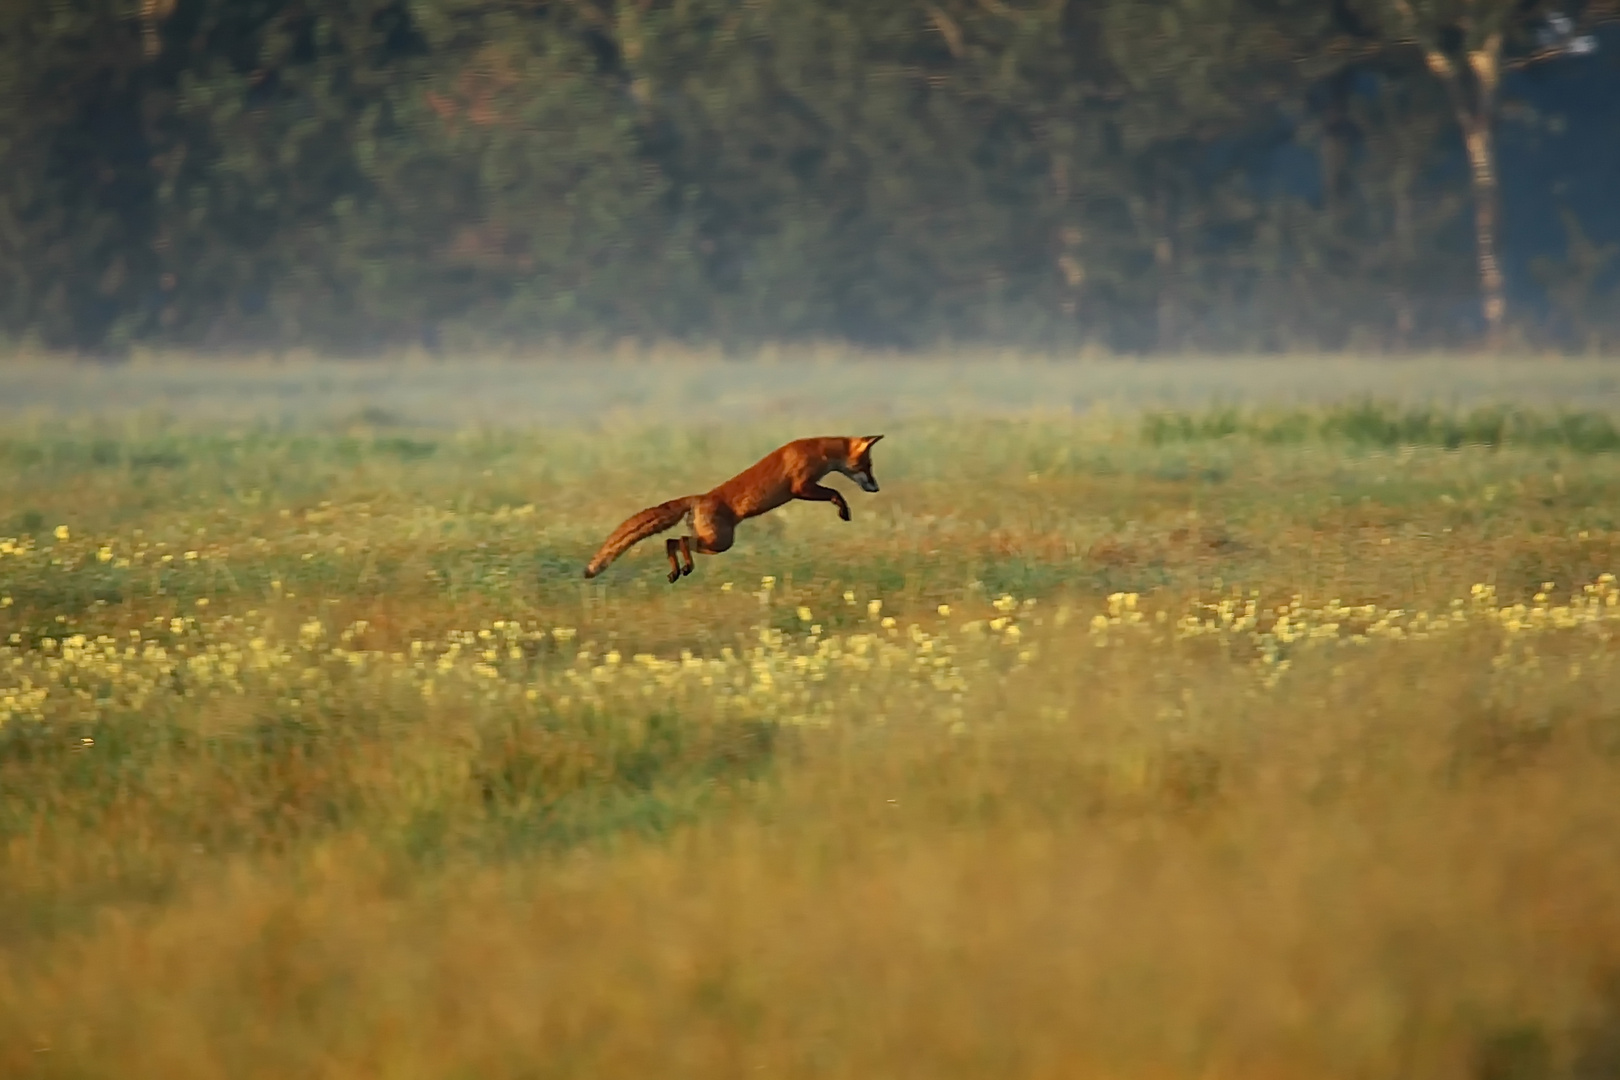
(1338, 134)
(1478, 120)
(1473, 93)
(1166, 315)
(153, 13)
(1482, 166)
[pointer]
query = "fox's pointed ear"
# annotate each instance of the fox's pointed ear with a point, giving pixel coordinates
(868, 440)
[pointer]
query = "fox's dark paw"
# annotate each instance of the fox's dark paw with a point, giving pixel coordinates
(687, 569)
(843, 513)
(674, 576)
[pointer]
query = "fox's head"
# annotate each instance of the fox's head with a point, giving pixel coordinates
(858, 465)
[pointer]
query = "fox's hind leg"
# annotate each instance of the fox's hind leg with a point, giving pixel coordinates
(712, 531)
(711, 534)
(671, 546)
(683, 547)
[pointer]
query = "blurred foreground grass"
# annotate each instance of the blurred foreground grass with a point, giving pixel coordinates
(1087, 748)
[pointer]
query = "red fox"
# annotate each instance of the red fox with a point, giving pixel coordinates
(789, 472)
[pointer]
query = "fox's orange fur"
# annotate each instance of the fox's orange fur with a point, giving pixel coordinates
(790, 472)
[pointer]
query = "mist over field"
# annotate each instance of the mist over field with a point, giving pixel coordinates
(786, 387)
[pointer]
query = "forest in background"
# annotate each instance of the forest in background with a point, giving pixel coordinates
(359, 175)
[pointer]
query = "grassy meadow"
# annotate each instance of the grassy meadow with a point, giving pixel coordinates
(1150, 722)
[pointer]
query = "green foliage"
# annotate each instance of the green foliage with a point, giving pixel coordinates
(1382, 425)
(366, 174)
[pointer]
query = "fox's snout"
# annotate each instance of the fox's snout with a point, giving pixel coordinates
(862, 477)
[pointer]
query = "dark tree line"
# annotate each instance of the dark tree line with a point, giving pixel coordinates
(361, 174)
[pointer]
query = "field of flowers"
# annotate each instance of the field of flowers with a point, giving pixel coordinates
(1128, 745)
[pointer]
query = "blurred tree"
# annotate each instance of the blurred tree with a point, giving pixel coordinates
(1467, 45)
(1581, 287)
(838, 177)
(362, 174)
(378, 171)
(75, 207)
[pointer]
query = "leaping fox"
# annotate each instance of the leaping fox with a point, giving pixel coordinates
(789, 472)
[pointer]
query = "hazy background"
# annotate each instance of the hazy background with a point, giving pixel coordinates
(358, 176)
(795, 389)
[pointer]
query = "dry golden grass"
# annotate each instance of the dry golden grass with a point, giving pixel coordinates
(1070, 756)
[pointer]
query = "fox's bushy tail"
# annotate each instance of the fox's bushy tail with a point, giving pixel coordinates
(654, 519)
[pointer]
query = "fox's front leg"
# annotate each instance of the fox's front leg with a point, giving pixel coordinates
(817, 493)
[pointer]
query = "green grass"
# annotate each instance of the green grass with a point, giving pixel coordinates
(1385, 425)
(318, 756)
